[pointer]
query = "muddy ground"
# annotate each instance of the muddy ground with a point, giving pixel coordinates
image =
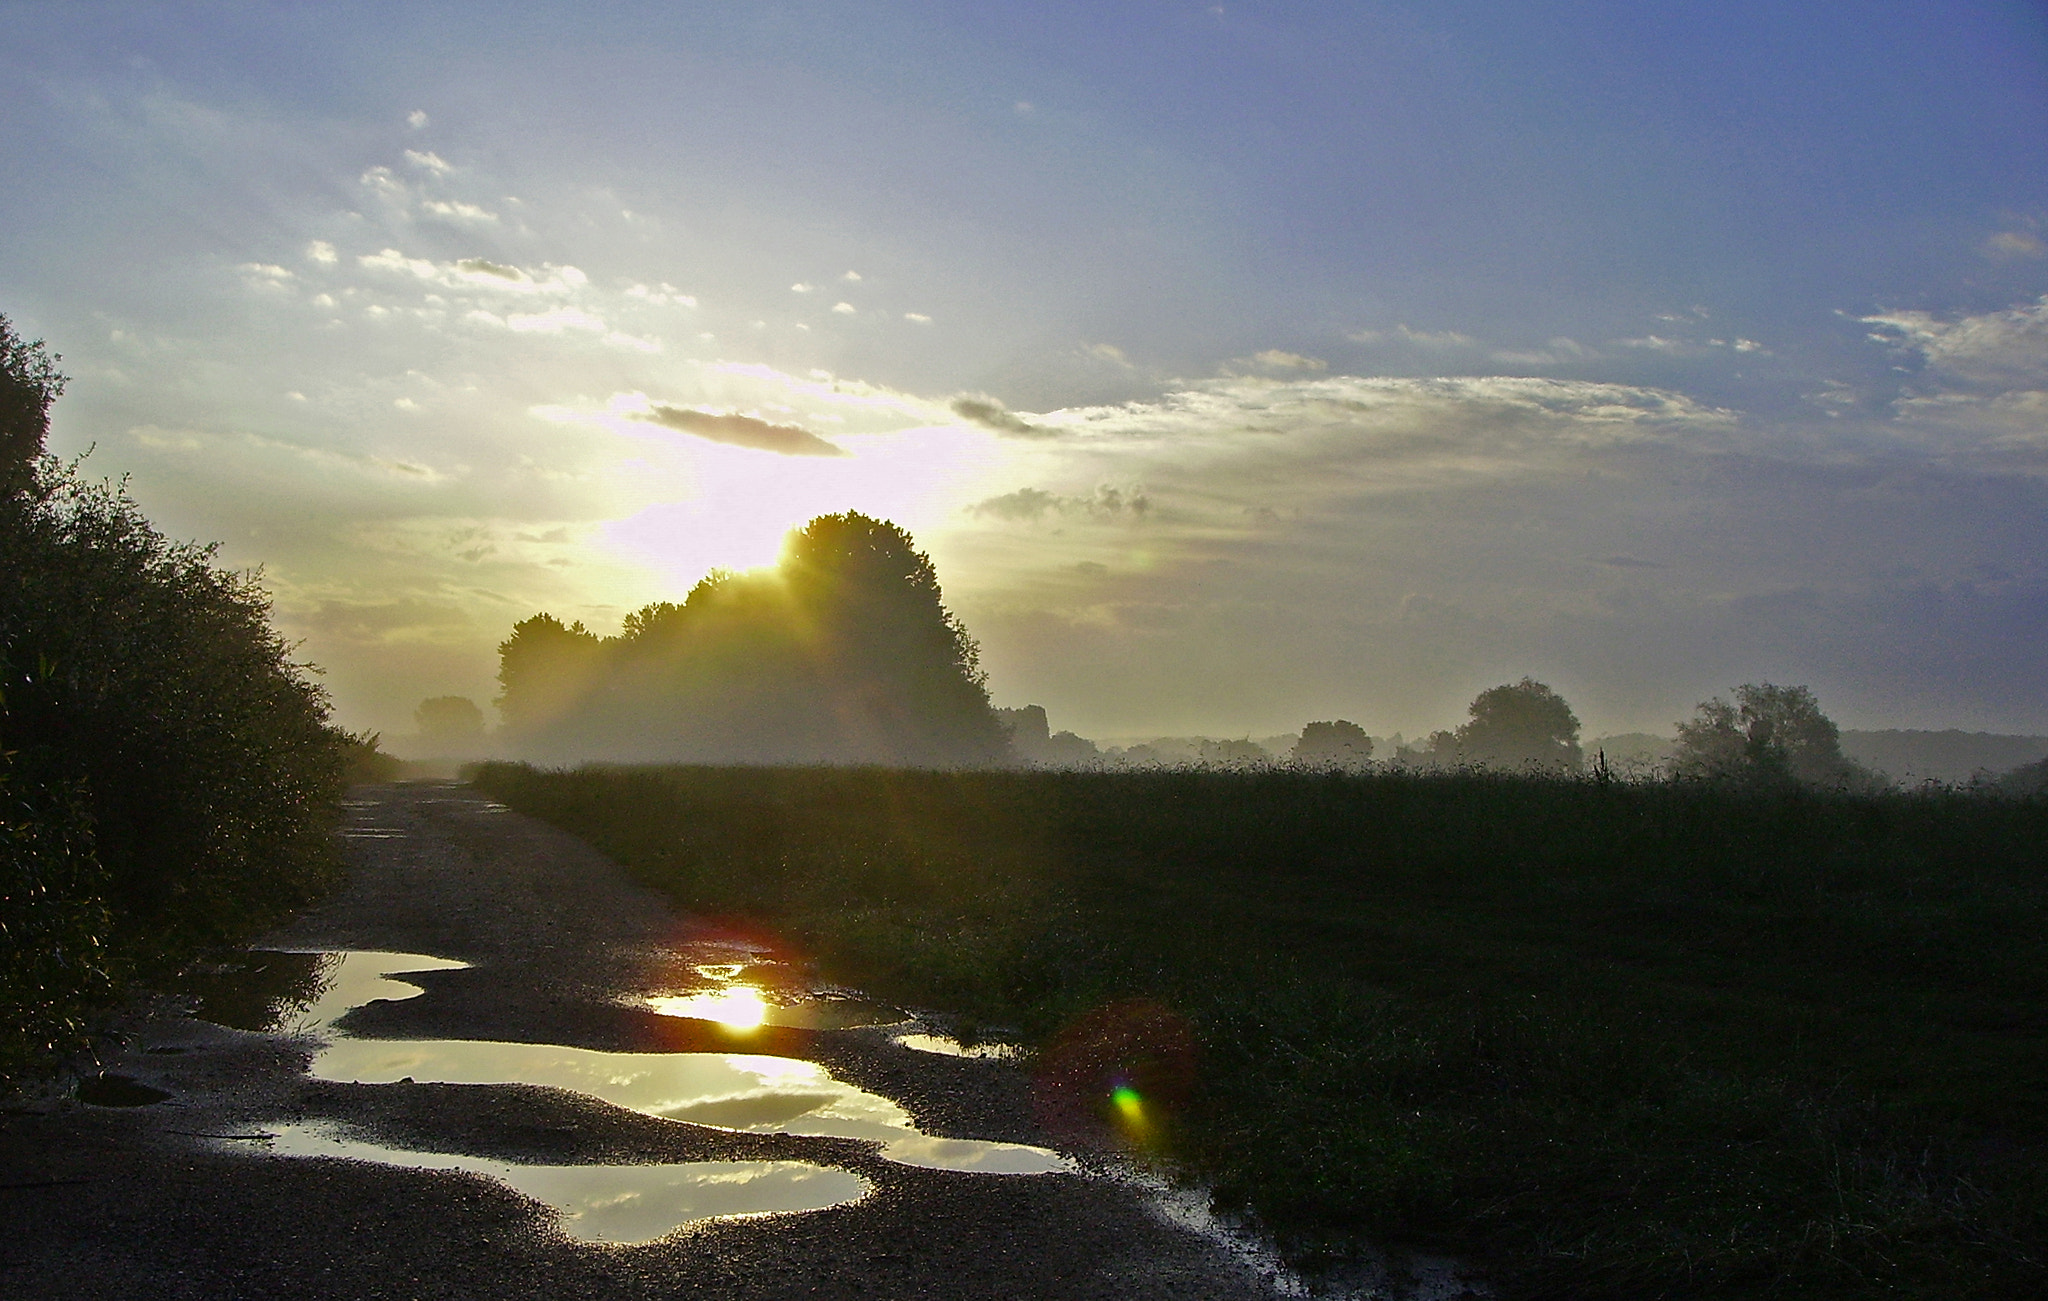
(153, 1201)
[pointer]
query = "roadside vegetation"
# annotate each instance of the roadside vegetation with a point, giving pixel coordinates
(168, 777)
(1666, 1039)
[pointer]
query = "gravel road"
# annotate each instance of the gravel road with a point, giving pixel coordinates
(152, 1201)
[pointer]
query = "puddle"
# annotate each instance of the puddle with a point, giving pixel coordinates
(623, 1204)
(948, 1046)
(743, 1007)
(306, 993)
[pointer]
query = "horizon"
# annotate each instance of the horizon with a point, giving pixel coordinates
(1236, 370)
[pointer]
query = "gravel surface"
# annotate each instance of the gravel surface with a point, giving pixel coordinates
(177, 1200)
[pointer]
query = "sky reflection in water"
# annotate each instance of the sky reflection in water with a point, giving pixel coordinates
(609, 1203)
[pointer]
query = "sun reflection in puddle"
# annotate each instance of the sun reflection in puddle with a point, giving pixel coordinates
(624, 1204)
(740, 1092)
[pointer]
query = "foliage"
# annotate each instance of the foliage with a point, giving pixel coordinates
(1617, 1040)
(450, 720)
(1770, 734)
(54, 961)
(843, 653)
(137, 672)
(1340, 744)
(364, 763)
(29, 383)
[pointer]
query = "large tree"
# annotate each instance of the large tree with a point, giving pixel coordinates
(1767, 734)
(844, 652)
(1524, 726)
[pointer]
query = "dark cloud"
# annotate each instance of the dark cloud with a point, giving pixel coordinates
(991, 414)
(744, 431)
(480, 266)
(1032, 503)
(1023, 504)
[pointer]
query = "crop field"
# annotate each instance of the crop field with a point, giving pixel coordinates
(1609, 1039)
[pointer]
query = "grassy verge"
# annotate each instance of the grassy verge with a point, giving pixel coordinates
(1614, 1040)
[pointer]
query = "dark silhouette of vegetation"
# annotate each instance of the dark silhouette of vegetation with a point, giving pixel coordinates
(1033, 743)
(1340, 744)
(1516, 727)
(1612, 1039)
(29, 383)
(167, 762)
(453, 724)
(1767, 735)
(843, 653)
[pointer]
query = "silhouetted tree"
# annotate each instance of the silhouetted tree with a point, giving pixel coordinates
(1340, 744)
(843, 653)
(544, 672)
(1768, 734)
(452, 721)
(1521, 725)
(29, 383)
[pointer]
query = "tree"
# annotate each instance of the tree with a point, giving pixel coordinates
(1768, 734)
(451, 721)
(844, 653)
(29, 383)
(1522, 725)
(1339, 744)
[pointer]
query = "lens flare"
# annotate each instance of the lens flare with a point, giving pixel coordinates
(1128, 1104)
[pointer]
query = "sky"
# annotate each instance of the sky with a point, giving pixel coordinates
(1237, 365)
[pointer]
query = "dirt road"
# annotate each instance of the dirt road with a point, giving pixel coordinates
(153, 1201)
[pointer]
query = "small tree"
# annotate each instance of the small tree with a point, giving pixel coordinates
(1768, 734)
(1339, 744)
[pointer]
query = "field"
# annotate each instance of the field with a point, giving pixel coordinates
(1613, 1040)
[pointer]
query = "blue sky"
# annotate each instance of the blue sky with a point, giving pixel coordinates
(1238, 365)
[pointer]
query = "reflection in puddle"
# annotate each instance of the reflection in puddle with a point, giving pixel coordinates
(618, 1203)
(742, 1007)
(735, 1091)
(307, 993)
(951, 1047)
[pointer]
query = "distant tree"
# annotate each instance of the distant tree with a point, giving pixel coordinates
(1767, 734)
(1339, 744)
(1240, 753)
(450, 721)
(29, 383)
(1522, 725)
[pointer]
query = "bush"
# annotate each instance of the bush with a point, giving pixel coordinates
(149, 684)
(53, 920)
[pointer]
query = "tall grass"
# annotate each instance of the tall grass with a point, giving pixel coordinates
(1613, 1040)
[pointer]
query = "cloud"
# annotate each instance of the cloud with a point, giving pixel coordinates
(2015, 244)
(322, 252)
(2008, 348)
(477, 273)
(844, 309)
(991, 414)
(742, 431)
(459, 211)
(1030, 504)
(1415, 338)
(917, 318)
(556, 321)
(1273, 359)
(416, 119)
(428, 161)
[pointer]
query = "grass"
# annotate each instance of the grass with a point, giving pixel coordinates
(1612, 1040)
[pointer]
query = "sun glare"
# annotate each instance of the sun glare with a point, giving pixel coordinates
(736, 1007)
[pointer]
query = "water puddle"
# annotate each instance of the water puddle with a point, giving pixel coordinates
(307, 993)
(623, 1204)
(948, 1046)
(743, 1007)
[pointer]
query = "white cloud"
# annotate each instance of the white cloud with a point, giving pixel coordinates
(918, 318)
(478, 273)
(428, 161)
(456, 210)
(852, 277)
(1415, 338)
(844, 309)
(322, 252)
(800, 288)
(416, 119)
